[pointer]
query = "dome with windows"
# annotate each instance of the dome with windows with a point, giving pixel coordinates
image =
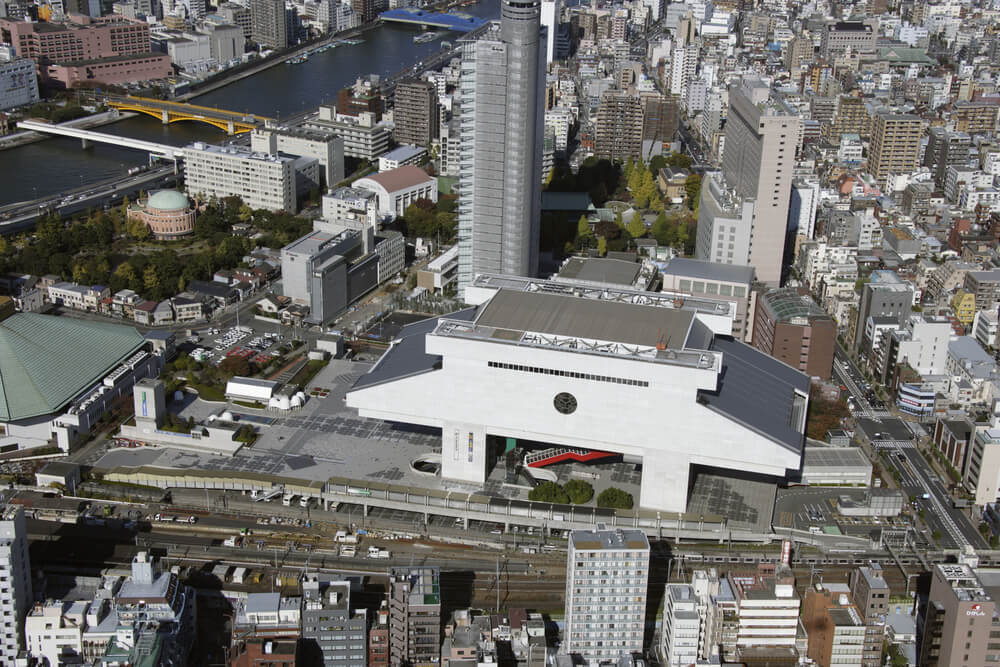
(167, 200)
(167, 213)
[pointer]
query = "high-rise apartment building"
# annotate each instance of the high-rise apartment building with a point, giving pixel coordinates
(619, 126)
(269, 25)
(870, 594)
(683, 67)
(885, 295)
(551, 10)
(679, 630)
(834, 625)
(415, 616)
(985, 285)
(959, 619)
(263, 181)
(946, 149)
(416, 113)
(849, 117)
(979, 117)
(16, 571)
(762, 134)
(502, 93)
(660, 115)
(607, 573)
(767, 611)
(895, 145)
(378, 638)
(18, 83)
(365, 9)
(335, 634)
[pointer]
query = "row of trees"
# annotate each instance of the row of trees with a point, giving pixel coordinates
(575, 491)
(578, 492)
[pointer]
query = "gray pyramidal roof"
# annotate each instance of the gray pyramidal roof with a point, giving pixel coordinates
(45, 361)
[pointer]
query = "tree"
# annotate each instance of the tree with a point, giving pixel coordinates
(615, 498)
(618, 220)
(602, 246)
(692, 187)
(235, 365)
(150, 279)
(579, 491)
(549, 492)
(823, 415)
(636, 227)
(679, 160)
(582, 227)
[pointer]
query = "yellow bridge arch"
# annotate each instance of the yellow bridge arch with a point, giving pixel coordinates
(231, 122)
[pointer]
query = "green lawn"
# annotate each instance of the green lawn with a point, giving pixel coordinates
(209, 392)
(308, 372)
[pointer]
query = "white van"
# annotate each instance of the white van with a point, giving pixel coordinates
(286, 499)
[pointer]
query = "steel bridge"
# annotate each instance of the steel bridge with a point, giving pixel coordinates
(232, 122)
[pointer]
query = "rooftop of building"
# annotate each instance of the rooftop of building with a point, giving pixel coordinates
(167, 200)
(602, 539)
(309, 244)
(402, 153)
(510, 313)
(424, 583)
(993, 275)
(46, 361)
(787, 304)
(873, 576)
(759, 392)
(834, 457)
(237, 151)
(601, 270)
(845, 26)
(845, 617)
(704, 270)
(400, 178)
(348, 192)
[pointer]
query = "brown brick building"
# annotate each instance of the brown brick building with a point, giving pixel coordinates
(790, 327)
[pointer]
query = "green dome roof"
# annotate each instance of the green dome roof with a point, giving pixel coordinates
(167, 200)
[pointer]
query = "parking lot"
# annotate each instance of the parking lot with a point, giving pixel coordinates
(214, 345)
(815, 509)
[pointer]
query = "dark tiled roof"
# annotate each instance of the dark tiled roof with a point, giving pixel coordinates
(759, 392)
(407, 355)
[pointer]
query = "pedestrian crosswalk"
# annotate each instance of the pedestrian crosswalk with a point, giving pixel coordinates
(893, 444)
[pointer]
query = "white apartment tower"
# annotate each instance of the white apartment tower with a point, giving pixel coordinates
(762, 134)
(680, 628)
(607, 573)
(502, 125)
(683, 68)
(550, 19)
(262, 180)
(15, 577)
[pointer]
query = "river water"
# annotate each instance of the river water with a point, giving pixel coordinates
(57, 164)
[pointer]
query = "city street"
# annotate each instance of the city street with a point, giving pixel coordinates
(917, 477)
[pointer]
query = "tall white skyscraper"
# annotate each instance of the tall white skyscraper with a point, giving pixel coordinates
(502, 129)
(607, 572)
(15, 575)
(550, 19)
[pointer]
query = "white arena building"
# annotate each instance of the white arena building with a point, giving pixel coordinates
(654, 377)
